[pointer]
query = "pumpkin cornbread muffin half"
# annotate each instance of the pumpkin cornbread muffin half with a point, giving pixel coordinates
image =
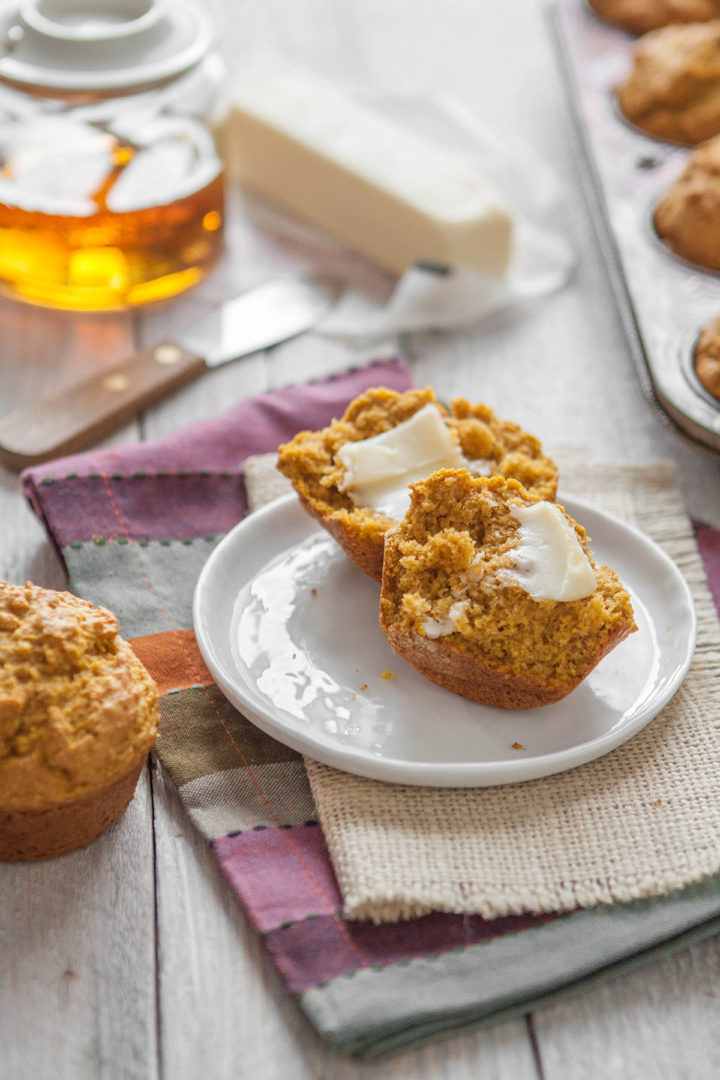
(639, 16)
(78, 715)
(673, 89)
(354, 475)
(493, 594)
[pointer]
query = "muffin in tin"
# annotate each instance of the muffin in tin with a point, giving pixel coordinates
(313, 461)
(78, 715)
(706, 358)
(673, 89)
(640, 16)
(492, 603)
(687, 218)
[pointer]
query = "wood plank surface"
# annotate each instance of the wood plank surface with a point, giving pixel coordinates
(77, 934)
(77, 978)
(133, 959)
(659, 1022)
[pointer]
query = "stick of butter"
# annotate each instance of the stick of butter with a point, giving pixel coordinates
(367, 181)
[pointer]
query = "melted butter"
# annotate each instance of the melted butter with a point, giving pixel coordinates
(379, 470)
(392, 497)
(549, 562)
(435, 628)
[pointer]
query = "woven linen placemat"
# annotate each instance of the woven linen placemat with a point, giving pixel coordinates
(641, 821)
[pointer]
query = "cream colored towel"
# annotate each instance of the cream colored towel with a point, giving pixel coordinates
(641, 821)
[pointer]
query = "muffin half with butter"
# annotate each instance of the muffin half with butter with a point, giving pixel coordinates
(78, 715)
(354, 475)
(492, 593)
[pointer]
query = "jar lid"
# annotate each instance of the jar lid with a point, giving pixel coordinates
(100, 45)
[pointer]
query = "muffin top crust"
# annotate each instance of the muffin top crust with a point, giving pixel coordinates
(77, 708)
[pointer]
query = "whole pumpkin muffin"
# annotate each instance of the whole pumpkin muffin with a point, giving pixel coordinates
(639, 16)
(707, 358)
(354, 475)
(493, 594)
(687, 218)
(78, 715)
(673, 89)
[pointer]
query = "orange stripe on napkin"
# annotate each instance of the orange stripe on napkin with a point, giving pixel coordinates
(173, 659)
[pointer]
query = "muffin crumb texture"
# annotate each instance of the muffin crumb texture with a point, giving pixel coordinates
(78, 714)
(450, 607)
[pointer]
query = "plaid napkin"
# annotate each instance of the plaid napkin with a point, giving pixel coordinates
(134, 525)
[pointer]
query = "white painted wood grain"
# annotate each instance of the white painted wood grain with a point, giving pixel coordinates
(77, 976)
(42, 351)
(77, 934)
(659, 1022)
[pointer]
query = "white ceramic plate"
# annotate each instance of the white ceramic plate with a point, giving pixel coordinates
(289, 628)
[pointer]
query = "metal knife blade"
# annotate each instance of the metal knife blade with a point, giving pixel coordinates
(264, 316)
(88, 411)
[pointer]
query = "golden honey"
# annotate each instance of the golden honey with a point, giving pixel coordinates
(110, 259)
(111, 186)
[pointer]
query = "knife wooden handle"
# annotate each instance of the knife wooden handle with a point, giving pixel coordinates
(87, 411)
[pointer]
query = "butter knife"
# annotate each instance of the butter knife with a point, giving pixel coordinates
(89, 410)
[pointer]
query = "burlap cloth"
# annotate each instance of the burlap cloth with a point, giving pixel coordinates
(641, 821)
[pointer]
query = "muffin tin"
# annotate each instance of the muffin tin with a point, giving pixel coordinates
(664, 301)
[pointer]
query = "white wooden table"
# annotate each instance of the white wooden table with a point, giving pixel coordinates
(132, 959)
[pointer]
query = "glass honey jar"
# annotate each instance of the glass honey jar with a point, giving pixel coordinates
(111, 185)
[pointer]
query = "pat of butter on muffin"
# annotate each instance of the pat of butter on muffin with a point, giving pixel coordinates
(549, 561)
(379, 470)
